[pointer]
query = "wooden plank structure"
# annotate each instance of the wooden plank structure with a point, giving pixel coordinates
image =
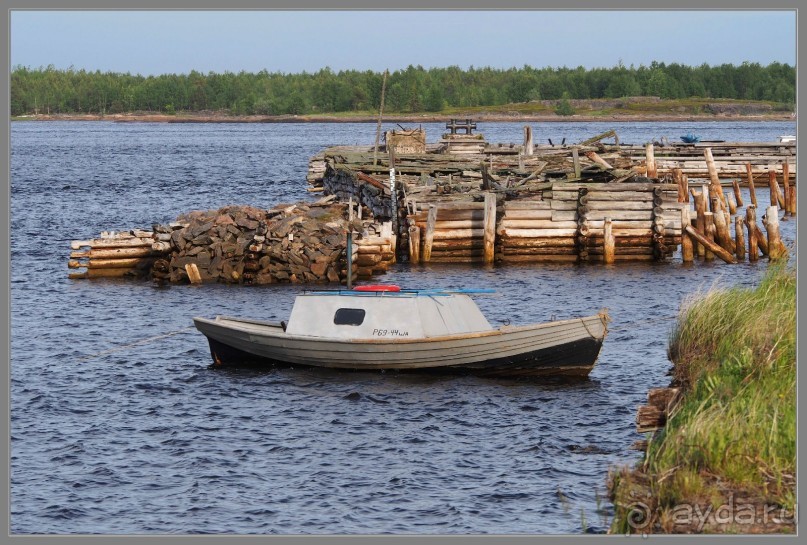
(115, 255)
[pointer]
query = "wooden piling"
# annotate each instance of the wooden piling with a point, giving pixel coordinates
(576, 161)
(738, 197)
(723, 234)
(786, 186)
(750, 224)
(681, 183)
(711, 247)
(750, 176)
(776, 248)
(193, 273)
(732, 204)
(608, 243)
(687, 249)
(528, 144)
(739, 237)
(700, 219)
(793, 200)
(776, 198)
(592, 155)
(717, 189)
(490, 226)
(428, 238)
(414, 244)
(650, 161)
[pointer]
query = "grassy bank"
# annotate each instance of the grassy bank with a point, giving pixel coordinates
(731, 441)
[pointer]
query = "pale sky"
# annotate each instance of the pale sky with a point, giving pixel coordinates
(149, 42)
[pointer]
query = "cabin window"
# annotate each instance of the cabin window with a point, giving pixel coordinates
(349, 316)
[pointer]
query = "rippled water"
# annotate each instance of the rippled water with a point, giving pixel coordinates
(149, 439)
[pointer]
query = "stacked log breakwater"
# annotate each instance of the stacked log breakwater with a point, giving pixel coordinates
(297, 243)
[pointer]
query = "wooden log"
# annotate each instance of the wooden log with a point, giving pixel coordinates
(621, 251)
(526, 205)
(193, 273)
(132, 262)
(750, 178)
(700, 219)
(551, 250)
(776, 248)
(624, 205)
(687, 248)
(739, 237)
(563, 205)
(113, 253)
(786, 186)
(452, 215)
(565, 215)
(621, 214)
(112, 243)
(608, 243)
(592, 155)
(716, 188)
(528, 214)
(593, 258)
(447, 234)
(459, 224)
(683, 189)
(650, 161)
(723, 234)
(750, 223)
(368, 260)
(490, 226)
(620, 196)
(528, 149)
(466, 252)
(711, 246)
(458, 243)
(428, 237)
(762, 241)
(776, 197)
(732, 204)
(576, 162)
(536, 224)
(738, 197)
(538, 233)
(793, 200)
(538, 242)
(414, 244)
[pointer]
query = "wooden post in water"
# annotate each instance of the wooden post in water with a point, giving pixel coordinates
(650, 161)
(709, 238)
(490, 226)
(414, 244)
(786, 185)
(609, 243)
(738, 197)
(739, 237)
(717, 189)
(687, 249)
(750, 224)
(776, 248)
(707, 197)
(751, 189)
(793, 200)
(428, 238)
(776, 197)
(528, 145)
(712, 249)
(576, 161)
(732, 203)
(700, 218)
(723, 234)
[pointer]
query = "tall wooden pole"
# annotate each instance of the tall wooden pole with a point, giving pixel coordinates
(380, 114)
(490, 226)
(650, 161)
(717, 189)
(751, 190)
(750, 224)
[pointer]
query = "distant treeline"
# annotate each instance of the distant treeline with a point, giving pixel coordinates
(415, 89)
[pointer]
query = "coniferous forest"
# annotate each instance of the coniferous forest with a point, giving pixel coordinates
(415, 89)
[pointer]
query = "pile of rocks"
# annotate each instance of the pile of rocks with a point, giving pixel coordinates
(243, 244)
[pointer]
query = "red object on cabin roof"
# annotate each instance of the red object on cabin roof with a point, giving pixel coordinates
(377, 287)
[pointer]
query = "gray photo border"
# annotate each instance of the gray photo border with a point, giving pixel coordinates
(501, 5)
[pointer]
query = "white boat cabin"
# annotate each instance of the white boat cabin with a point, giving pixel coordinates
(384, 316)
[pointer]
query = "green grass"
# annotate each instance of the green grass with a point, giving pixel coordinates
(734, 431)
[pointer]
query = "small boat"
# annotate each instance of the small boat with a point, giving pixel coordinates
(787, 138)
(690, 138)
(385, 328)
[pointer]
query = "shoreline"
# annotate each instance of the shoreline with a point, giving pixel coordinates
(397, 118)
